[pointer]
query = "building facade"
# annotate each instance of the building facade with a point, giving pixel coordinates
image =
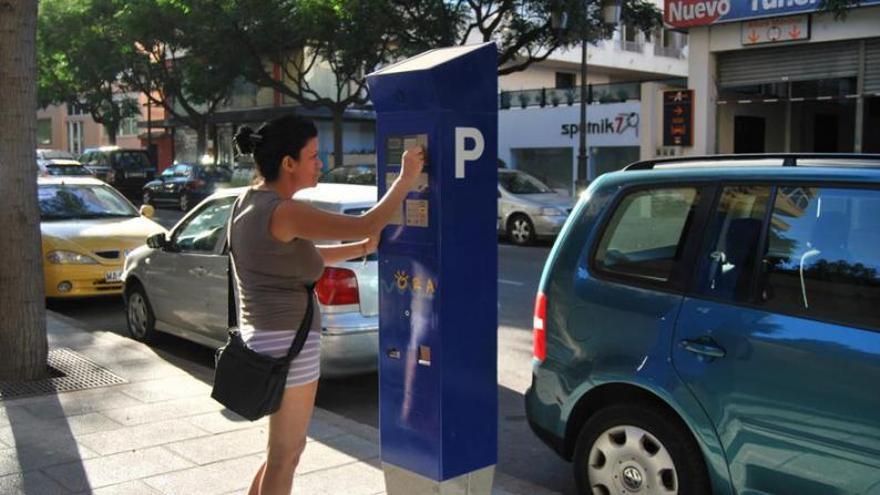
(781, 76)
(539, 108)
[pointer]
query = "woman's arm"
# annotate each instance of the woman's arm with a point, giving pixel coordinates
(295, 219)
(343, 252)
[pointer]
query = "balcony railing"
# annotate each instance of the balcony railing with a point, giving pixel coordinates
(668, 51)
(632, 46)
(596, 93)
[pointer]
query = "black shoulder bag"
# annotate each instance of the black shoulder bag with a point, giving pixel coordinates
(247, 382)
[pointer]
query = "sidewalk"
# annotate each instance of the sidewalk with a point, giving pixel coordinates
(161, 433)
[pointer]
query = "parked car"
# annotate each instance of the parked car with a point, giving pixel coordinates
(351, 174)
(177, 284)
(183, 185)
(88, 229)
(125, 169)
(47, 154)
(529, 209)
(711, 325)
(62, 167)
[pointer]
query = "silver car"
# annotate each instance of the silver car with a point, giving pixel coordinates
(528, 208)
(177, 284)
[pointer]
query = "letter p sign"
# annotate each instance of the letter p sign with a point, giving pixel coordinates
(462, 155)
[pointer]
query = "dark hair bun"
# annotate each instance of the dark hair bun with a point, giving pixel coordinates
(246, 140)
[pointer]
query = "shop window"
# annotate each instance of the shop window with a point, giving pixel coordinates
(871, 127)
(128, 126)
(824, 87)
(44, 132)
(565, 80)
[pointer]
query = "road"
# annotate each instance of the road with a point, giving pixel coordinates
(521, 454)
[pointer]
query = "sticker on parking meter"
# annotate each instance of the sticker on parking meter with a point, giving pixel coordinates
(416, 213)
(421, 184)
(396, 145)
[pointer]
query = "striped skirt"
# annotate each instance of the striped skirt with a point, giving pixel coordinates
(305, 367)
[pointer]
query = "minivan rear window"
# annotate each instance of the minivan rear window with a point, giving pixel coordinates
(645, 236)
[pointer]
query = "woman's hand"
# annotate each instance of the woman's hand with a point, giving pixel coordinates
(411, 164)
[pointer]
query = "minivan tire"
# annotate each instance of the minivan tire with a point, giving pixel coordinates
(521, 230)
(665, 445)
(139, 318)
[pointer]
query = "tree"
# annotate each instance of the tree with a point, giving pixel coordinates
(315, 52)
(522, 29)
(80, 60)
(175, 60)
(23, 346)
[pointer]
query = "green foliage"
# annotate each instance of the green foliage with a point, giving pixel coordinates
(80, 59)
(838, 7)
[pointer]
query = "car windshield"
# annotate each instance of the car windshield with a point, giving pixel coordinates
(131, 159)
(351, 174)
(82, 201)
(520, 183)
(67, 170)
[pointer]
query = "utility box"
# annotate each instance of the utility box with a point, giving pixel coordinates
(438, 272)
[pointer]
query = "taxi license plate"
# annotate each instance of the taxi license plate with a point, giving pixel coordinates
(115, 276)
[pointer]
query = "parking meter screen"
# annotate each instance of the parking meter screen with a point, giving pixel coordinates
(415, 210)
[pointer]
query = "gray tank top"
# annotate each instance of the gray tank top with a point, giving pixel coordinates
(271, 276)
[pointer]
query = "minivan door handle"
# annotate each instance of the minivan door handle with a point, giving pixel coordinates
(704, 347)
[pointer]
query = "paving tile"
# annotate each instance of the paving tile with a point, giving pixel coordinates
(222, 477)
(116, 469)
(32, 483)
(39, 455)
(23, 433)
(140, 437)
(82, 402)
(224, 420)
(139, 370)
(222, 446)
(162, 411)
(10, 415)
(166, 389)
(351, 479)
(322, 430)
(338, 452)
(129, 488)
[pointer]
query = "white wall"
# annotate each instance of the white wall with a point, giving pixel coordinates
(701, 68)
(537, 127)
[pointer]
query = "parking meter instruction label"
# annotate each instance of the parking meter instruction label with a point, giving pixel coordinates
(416, 213)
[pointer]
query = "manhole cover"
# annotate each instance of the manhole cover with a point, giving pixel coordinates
(68, 372)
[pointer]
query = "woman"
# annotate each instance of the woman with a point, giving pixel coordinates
(275, 262)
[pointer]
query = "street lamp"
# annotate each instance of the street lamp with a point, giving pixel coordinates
(610, 11)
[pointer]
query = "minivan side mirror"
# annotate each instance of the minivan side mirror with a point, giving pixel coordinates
(157, 241)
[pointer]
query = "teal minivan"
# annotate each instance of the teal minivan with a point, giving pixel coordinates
(712, 325)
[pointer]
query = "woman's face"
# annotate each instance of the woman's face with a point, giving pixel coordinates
(308, 168)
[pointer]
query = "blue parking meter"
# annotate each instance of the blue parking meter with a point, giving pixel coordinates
(438, 272)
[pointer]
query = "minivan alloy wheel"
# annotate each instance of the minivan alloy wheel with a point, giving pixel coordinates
(627, 459)
(184, 202)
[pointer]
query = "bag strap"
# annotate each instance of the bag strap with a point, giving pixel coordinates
(305, 325)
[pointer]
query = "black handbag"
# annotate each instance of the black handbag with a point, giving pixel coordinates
(248, 383)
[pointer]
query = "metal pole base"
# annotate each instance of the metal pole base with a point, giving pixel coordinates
(399, 481)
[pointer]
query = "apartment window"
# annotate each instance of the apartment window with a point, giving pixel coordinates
(128, 126)
(631, 39)
(565, 80)
(44, 132)
(75, 137)
(75, 108)
(670, 43)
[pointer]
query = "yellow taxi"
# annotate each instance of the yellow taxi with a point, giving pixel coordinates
(88, 229)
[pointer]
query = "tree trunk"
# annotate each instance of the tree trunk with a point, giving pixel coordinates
(112, 130)
(23, 344)
(202, 140)
(338, 113)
